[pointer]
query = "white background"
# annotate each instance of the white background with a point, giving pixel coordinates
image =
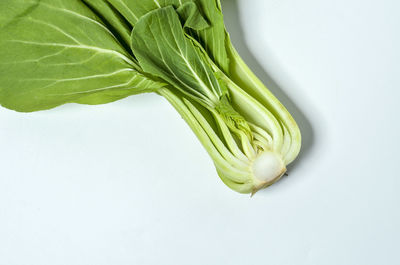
(128, 183)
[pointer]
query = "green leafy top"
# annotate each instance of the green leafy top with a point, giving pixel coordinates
(57, 51)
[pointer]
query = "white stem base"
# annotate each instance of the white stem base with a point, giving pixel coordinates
(268, 167)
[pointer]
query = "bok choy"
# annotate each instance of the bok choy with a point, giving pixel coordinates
(54, 52)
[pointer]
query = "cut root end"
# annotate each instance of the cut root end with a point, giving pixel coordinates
(268, 167)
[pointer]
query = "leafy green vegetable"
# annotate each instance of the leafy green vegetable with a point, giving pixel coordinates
(54, 52)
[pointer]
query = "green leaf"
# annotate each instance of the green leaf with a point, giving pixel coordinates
(134, 10)
(112, 19)
(10, 11)
(59, 52)
(191, 16)
(213, 38)
(160, 45)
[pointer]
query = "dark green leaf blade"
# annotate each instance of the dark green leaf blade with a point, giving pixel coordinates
(192, 17)
(213, 38)
(112, 19)
(160, 45)
(59, 53)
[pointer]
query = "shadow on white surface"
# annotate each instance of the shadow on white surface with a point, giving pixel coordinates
(233, 24)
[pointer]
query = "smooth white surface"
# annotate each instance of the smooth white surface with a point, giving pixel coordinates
(128, 183)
